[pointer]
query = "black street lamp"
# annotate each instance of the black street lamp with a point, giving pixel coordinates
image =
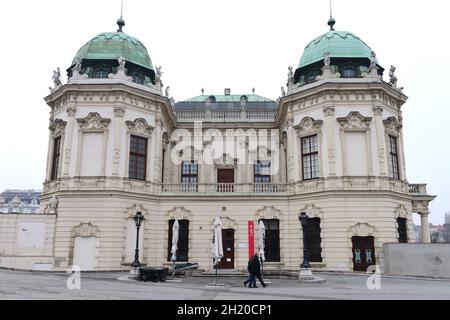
(138, 218)
(304, 221)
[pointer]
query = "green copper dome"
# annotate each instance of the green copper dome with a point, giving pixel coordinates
(339, 44)
(111, 45)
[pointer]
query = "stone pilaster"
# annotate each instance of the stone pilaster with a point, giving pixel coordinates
(381, 144)
(118, 125)
(71, 112)
(330, 129)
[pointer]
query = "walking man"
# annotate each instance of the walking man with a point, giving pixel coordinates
(255, 272)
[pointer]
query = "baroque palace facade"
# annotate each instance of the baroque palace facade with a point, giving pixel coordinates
(331, 147)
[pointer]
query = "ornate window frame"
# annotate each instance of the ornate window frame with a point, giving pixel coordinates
(93, 123)
(140, 128)
(179, 213)
(313, 211)
(362, 229)
(356, 122)
(309, 127)
(272, 213)
(392, 127)
(402, 212)
(57, 130)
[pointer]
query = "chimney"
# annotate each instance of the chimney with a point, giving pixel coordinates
(227, 91)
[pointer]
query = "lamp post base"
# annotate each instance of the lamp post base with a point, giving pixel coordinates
(306, 276)
(134, 273)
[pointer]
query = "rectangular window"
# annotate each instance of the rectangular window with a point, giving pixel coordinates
(310, 157)
(394, 157)
(138, 158)
(402, 230)
(261, 174)
(189, 176)
(272, 240)
(55, 157)
(313, 240)
(183, 241)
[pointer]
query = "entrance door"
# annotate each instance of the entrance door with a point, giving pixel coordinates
(227, 262)
(84, 253)
(363, 253)
(225, 176)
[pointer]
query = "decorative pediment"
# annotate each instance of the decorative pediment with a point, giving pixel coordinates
(312, 211)
(401, 212)
(130, 212)
(355, 121)
(86, 230)
(140, 127)
(392, 125)
(58, 127)
(94, 122)
(308, 126)
(361, 230)
(179, 213)
(268, 213)
(227, 223)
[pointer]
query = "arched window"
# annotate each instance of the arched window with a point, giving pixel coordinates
(311, 75)
(101, 72)
(137, 78)
(348, 71)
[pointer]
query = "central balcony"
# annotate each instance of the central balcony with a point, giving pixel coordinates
(224, 188)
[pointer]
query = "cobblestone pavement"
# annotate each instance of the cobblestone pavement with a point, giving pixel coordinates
(38, 285)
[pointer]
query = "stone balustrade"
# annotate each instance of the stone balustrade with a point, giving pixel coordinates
(224, 115)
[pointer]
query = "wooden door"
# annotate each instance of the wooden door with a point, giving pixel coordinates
(225, 176)
(363, 253)
(227, 262)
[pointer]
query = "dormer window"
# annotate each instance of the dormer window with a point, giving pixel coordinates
(311, 75)
(348, 71)
(101, 72)
(212, 99)
(137, 78)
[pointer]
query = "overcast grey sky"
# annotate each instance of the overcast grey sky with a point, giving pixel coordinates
(215, 44)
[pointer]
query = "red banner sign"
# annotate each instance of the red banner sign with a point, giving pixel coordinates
(251, 239)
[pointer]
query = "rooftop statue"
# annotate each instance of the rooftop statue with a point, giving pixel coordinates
(283, 92)
(291, 73)
(326, 59)
(121, 61)
(373, 61)
(392, 77)
(167, 91)
(78, 65)
(57, 77)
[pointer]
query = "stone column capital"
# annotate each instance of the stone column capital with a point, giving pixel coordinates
(328, 111)
(377, 110)
(119, 112)
(71, 111)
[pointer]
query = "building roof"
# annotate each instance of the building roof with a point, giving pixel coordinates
(339, 44)
(111, 45)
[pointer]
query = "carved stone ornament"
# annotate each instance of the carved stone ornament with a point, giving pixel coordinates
(94, 122)
(57, 127)
(378, 110)
(328, 111)
(392, 125)
(362, 230)
(355, 121)
(401, 212)
(86, 230)
(268, 213)
(309, 126)
(71, 111)
(180, 213)
(119, 112)
(140, 127)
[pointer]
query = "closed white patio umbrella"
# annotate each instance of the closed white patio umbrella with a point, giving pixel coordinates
(262, 237)
(217, 247)
(175, 236)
